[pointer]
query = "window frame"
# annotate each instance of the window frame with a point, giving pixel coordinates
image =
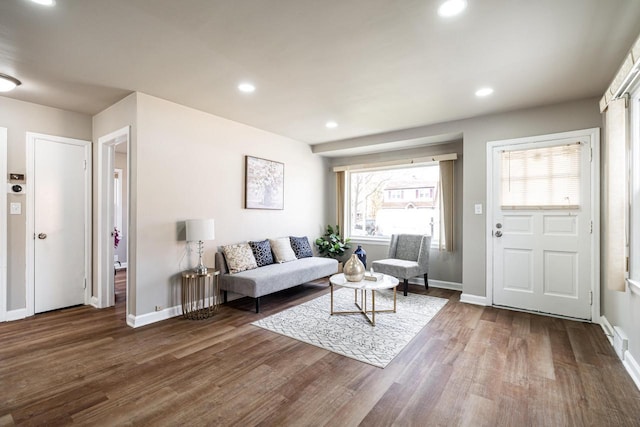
(378, 240)
(633, 215)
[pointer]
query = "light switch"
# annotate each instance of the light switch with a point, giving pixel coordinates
(478, 208)
(16, 208)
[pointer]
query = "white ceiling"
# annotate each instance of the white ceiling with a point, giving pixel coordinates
(371, 65)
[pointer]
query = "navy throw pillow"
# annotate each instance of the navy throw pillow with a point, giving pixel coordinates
(262, 252)
(301, 247)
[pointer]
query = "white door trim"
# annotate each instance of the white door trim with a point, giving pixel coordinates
(106, 146)
(30, 211)
(3, 226)
(594, 136)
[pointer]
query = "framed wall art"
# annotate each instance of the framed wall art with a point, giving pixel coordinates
(264, 184)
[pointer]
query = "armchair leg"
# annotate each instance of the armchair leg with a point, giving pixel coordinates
(426, 282)
(258, 305)
(406, 286)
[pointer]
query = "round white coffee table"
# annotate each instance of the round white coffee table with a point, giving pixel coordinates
(386, 282)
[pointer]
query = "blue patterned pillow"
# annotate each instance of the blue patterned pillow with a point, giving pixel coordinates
(301, 247)
(262, 252)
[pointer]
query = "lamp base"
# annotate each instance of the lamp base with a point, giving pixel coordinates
(201, 269)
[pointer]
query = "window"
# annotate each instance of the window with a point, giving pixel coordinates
(382, 202)
(541, 177)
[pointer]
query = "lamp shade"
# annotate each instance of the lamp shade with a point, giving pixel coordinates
(200, 229)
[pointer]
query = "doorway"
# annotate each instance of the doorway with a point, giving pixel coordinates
(58, 222)
(542, 224)
(113, 215)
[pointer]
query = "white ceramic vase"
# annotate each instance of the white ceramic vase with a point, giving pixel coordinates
(353, 269)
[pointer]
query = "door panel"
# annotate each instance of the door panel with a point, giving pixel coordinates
(59, 224)
(541, 254)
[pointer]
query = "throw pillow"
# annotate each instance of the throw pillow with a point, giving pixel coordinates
(262, 252)
(282, 249)
(301, 247)
(239, 257)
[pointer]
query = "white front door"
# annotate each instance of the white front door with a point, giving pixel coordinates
(60, 222)
(542, 228)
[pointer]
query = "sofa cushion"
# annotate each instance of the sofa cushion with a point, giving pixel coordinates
(276, 277)
(282, 250)
(239, 257)
(262, 252)
(301, 247)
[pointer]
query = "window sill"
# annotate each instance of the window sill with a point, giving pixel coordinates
(634, 286)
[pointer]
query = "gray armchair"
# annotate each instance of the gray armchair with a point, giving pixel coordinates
(408, 257)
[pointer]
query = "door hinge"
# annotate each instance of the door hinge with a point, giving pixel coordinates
(591, 154)
(590, 297)
(85, 164)
(85, 283)
(591, 228)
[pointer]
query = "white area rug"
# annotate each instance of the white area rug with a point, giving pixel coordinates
(352, 335)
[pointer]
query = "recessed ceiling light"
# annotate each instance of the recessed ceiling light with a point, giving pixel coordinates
(246, 87)
(452, 7)
(45, 2)
(8, 83)
(331, 124)
(485, 91)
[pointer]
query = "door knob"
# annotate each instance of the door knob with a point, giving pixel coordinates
(498, 225)
(42, 236)
(498, 233)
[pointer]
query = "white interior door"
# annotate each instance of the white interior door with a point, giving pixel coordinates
(60, 202)
(542, 226)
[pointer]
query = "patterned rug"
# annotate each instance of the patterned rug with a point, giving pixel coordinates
(352, 335)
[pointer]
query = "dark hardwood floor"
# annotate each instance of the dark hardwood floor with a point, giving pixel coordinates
(470, 366)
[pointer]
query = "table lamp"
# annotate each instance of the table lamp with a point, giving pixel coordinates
(199, 230)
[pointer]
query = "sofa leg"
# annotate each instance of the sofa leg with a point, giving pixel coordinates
(406, 286)
(224, 297)
(258, 305)
(426, 282)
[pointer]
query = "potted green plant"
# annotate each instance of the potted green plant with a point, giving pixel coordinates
(332, 244)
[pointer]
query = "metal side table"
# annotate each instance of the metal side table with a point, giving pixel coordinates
(200, 294)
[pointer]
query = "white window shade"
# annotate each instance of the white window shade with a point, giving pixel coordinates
(541, 178)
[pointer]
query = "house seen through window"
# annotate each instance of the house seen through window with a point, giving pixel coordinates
(395, 200)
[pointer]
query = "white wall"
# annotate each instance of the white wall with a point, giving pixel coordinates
(20, 117)
(119, 115)
(190, 164)
(581, 114)
(443, 266)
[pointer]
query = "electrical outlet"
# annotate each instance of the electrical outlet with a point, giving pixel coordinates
(158, 308)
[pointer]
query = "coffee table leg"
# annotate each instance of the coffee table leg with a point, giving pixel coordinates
(394, 299)
(373, 307)
(331, 286)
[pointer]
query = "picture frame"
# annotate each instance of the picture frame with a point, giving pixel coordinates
(264, 184)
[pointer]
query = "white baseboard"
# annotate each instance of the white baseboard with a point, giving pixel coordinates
(433, 283)
(618, 340)
(94, 302)
(607, 328)
(154, 316)
(18, 314)
(474, 299)
(632, 368)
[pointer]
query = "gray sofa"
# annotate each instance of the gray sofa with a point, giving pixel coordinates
(273, 277)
